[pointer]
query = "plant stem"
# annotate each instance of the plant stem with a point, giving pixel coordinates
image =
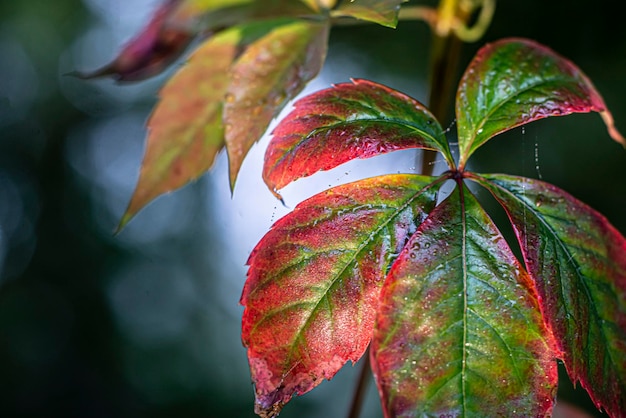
(444, 60)
(448, 22)
(443, 66)
(361, 386)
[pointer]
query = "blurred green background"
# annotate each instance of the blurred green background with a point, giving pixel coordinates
(146, 323)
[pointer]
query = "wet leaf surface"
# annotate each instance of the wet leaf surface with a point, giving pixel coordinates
(578, 261)
(458, 332)
(516, 81)
(315, 277)
(361, 119)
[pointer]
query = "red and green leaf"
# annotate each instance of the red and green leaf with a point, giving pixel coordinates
(512, 82)
(270, 72)
(458, 330)
(383, 12)
(578, 262)
(361, 119)
(314, 281)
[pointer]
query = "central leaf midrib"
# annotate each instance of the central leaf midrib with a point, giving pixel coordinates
(465, 302)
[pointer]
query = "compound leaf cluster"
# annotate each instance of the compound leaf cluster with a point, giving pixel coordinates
(458, 325)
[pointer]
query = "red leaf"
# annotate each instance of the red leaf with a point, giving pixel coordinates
(361, 119)
(578, 261)
(458, 331)
(150, 52)
(314, 281)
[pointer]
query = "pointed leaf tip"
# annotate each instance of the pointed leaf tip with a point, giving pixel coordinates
(185, 130)
(150, 52)
(607, 117)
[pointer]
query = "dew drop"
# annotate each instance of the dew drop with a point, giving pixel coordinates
(539, 200)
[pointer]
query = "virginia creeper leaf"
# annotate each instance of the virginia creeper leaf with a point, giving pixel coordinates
(185, 128)
(458, 331)
(514, 81)
(150, 52)
(361, 119)
(314, 281)
(578, 261)
(383, 12)
(267, 75)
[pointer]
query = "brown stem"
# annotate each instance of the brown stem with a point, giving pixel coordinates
(361, 386)
(443, 70)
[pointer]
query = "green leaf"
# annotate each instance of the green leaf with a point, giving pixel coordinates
(383, 12)
(268, 74)
(315, 277)
(578, 261)
(514, 81)
(458, 331)
(361, 119)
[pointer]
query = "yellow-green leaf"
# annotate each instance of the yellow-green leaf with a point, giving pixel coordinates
(383, 12)
(266, 76)
(185, 128)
